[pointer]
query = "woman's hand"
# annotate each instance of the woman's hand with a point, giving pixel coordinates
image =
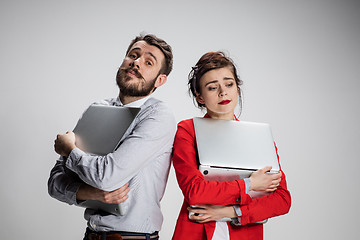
(262, 181)
(208, 213)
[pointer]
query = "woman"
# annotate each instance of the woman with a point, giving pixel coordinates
(215, 85)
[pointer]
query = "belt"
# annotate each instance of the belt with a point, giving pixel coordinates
(91, 235)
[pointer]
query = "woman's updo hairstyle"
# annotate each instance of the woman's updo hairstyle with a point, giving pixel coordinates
(210, 61)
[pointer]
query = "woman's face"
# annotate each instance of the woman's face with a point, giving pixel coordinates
(219, 93)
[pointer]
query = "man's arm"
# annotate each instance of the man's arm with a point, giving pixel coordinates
(87, 192)
(152, 136)
(67, 187)
(63, 184)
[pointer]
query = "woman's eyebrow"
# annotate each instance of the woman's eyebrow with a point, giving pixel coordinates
(214, 81)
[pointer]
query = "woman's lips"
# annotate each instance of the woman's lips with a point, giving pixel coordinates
(224, 102)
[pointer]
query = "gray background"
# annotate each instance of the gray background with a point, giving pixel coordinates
(299, 61)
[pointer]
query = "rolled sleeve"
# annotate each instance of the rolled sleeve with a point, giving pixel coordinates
(71, 191)
(63, 184)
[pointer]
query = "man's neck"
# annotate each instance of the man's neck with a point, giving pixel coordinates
(129, 99)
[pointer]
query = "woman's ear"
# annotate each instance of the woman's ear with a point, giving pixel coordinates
(199, 98)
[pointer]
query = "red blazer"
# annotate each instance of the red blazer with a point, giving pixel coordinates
(198, 191)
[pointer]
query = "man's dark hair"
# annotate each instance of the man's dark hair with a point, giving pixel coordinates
(165, 48)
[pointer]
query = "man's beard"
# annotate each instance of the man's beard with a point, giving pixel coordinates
(137, 89)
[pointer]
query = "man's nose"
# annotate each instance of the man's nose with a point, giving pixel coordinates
(135, 63)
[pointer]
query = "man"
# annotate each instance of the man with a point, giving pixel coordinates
(137, 171)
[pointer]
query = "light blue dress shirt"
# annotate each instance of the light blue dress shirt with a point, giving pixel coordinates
(142, 159)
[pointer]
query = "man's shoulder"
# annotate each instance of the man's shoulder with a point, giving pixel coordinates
(154, 102)
(155, 105)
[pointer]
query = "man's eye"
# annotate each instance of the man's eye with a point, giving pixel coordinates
(149, 63)
(230, 84)
(132, 56)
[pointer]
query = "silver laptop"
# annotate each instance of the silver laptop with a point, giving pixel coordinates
(101, 128)
(230, 150)
(99, 131)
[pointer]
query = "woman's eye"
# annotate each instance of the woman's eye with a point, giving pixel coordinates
(230, 84)
(212, 88)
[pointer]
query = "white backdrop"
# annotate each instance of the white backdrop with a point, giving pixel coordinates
(299, 61)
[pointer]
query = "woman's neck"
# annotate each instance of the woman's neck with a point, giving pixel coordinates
(225, 116)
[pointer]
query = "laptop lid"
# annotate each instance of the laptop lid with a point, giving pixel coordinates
(244, 146)
(101, 128)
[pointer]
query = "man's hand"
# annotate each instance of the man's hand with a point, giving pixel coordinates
(208, 213)
(262, 181)
(87, 192)
(65, 143)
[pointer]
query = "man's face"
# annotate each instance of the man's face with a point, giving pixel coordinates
(139, 71)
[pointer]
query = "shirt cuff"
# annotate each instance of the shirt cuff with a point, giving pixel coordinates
(247, 185)
(73, 159)
(71, 191)
(236, 220)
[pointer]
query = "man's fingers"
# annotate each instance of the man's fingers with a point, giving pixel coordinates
(117, 196)
(126, 185)
(124, 193)
(121, 191)
(120, 200)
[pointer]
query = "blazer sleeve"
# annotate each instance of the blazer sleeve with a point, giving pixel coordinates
(271, 205)
(192, 183)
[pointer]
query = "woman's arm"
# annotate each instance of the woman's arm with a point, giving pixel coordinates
(208, 213)
(195, 189)
(274, 204)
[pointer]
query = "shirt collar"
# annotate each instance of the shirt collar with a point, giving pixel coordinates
(137, 103)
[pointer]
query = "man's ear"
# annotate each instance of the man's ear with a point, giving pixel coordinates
(199, 98)
(161, 80)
